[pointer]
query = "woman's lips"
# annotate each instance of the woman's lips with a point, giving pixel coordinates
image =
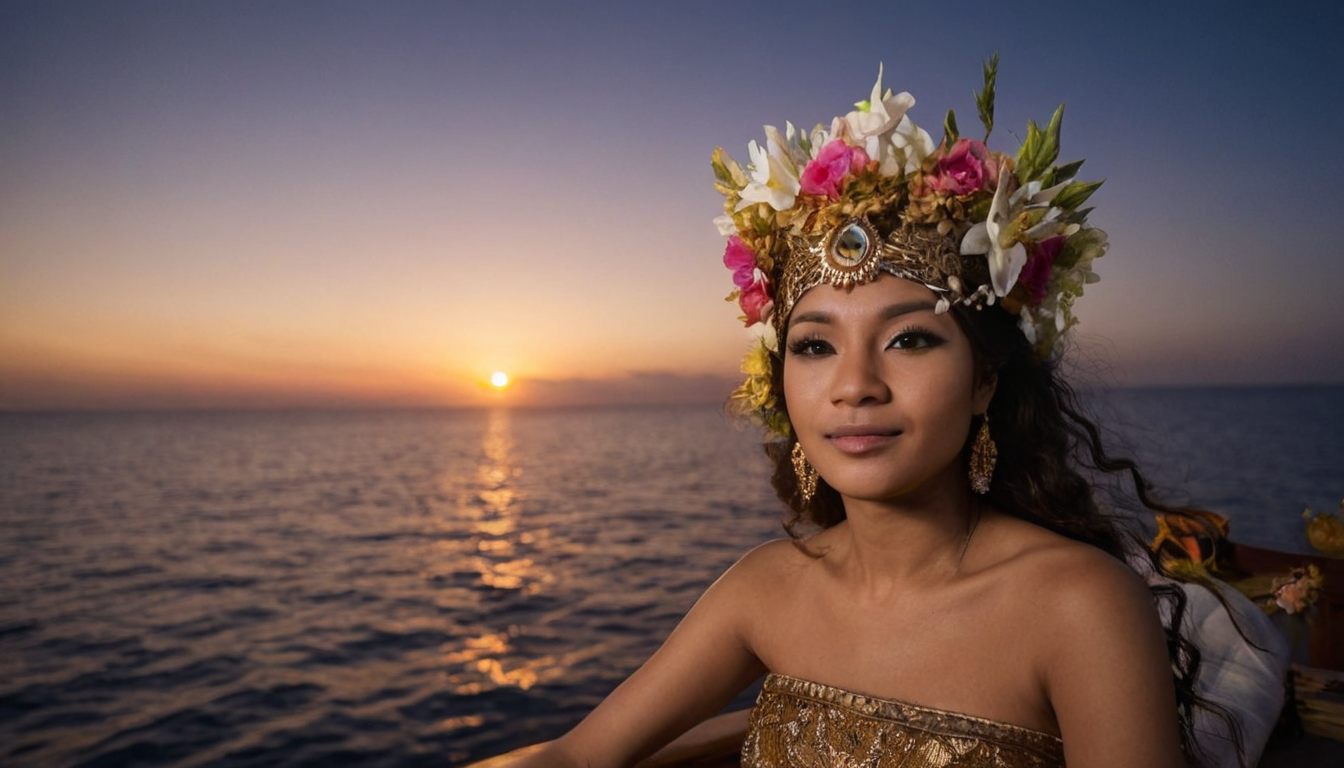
(861, 439)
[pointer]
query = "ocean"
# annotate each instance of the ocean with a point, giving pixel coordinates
(406, 588)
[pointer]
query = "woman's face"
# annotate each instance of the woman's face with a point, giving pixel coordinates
(880, 389)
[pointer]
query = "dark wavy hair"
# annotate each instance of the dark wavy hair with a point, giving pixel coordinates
(1050, 457)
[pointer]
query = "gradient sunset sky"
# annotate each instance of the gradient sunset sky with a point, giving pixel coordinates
(238, 204)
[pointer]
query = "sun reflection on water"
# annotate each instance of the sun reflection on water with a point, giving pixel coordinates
(481, 660)
(494, 527)
(505, 560)
(477, 647)
(495, 501)
(490, 661)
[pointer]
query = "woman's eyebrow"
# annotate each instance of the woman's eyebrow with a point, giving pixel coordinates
(810, 317)
(890, 312)
(906, 307)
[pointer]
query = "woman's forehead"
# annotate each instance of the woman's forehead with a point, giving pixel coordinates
(873, 298)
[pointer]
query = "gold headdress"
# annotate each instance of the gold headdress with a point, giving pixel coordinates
(875, 195)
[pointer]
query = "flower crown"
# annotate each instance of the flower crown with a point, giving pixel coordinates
(875, 195)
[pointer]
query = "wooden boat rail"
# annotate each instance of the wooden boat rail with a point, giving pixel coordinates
(1325, 648)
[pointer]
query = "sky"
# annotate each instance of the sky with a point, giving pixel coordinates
(274, 204)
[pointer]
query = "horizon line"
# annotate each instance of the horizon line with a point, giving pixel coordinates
(525, 406)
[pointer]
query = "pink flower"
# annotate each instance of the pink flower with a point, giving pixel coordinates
(755, 301)
(741, 259)
(1292, 597)
(1297, 592)
(1035, 273)
(826, 174)
(967, 167)
(753, 286)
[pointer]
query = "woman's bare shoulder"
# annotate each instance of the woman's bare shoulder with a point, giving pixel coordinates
(774, 568)
(1037, 553)
(769, 561)
(1074, 592)
(1067, 587)
(1093, 626)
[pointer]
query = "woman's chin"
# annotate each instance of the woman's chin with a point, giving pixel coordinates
(898, 489)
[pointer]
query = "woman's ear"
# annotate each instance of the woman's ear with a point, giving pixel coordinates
(984, 392)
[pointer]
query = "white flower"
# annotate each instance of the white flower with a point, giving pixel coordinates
(1005, 264)
(1028, 327)
(1091, 245)
(774, 178)
(1049, 226)
(820, 136)
(883, 113)
(870, 126)
(1046, 195)
(725, 225)
(1027, 191)
(912, 144)
(799, 144)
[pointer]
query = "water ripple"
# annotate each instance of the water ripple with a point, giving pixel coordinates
(390, 589)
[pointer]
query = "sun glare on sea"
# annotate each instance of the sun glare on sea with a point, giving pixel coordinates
(499, 379)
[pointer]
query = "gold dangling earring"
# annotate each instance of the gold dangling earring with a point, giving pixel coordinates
(983, 456)
(807, 476)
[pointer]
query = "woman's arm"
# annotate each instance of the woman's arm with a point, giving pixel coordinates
(704, 663)
(1108, 677)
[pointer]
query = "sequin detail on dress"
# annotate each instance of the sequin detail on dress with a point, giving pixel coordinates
(800, 724)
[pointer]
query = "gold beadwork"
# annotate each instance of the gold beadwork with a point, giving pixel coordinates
(853, 253)
(807, 476)
(984, 454)
(802, 723)
(976, 226)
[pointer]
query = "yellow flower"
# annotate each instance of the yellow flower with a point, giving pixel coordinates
(1325, 531)
(757, 361)
(756, 391)
(755, 397)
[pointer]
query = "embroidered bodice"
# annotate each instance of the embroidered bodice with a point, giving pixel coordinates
(801, 724)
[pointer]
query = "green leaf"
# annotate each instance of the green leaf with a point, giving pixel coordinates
(1075, 194)
(984, 100)
(724, 165)
(1088, 242)
(979, 210)
(1067, 257)
(1025, 164)
(950, 132)
(1080, 215)
(1040, 149)
(1065, 172)
(1050, 148)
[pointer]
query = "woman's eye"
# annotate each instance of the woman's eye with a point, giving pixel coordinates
(810, 347)
(915, 340)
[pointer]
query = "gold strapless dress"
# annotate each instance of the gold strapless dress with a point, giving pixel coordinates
(800, 724)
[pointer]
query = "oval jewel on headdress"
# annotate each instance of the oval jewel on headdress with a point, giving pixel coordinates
(851, 245)
(850, 255)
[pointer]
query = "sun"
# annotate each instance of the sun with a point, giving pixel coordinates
(499, 379)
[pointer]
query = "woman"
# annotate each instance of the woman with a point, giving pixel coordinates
(953, 594)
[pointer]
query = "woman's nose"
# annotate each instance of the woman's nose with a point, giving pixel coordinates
(858, 380)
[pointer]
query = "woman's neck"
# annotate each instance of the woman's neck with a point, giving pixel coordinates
(917, 540)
